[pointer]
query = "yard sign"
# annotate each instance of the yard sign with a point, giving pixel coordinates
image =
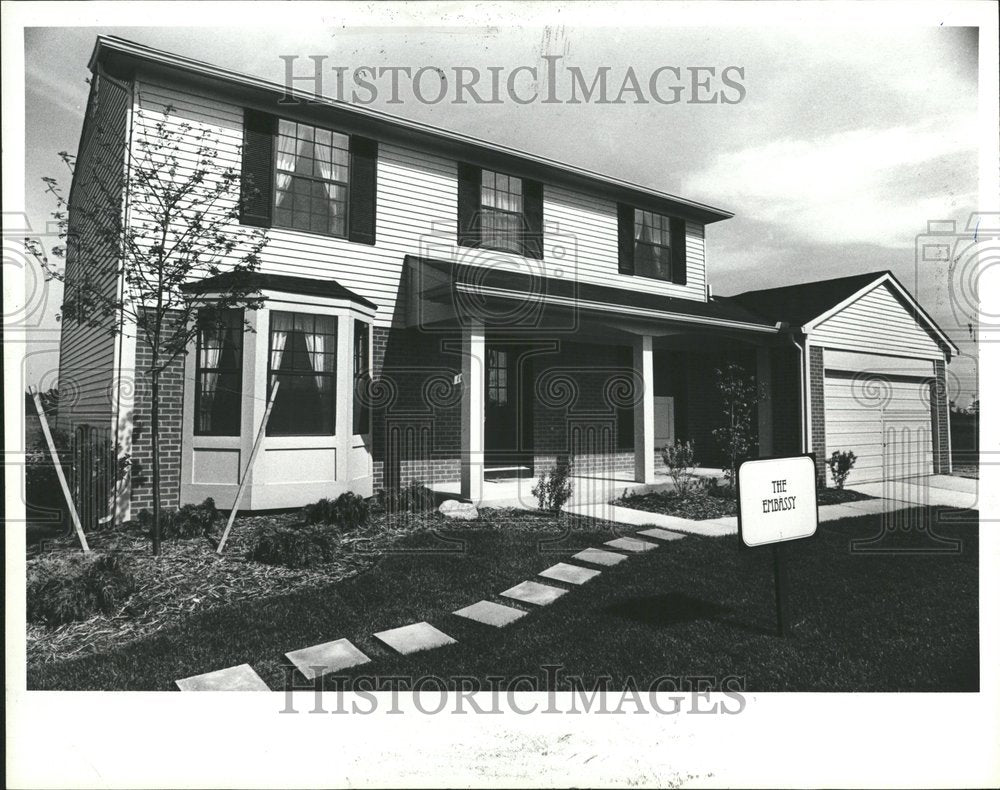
(777, 503)
(777, 499)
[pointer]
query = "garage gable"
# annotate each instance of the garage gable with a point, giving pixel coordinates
(880, 318)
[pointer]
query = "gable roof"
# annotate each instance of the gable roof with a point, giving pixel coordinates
(807, 304)
(122, 56)
(800, 304)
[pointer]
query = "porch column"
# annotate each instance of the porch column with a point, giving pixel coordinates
(473, 408)
(642, 371)
(765, 403)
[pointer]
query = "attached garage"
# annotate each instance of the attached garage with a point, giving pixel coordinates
(875, 379)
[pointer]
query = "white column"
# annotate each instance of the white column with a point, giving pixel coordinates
(473, 409)
(345, 396)
(765, 403)
(642, 370)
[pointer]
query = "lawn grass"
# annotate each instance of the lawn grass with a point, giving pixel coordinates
(696, 607)
(715, 502)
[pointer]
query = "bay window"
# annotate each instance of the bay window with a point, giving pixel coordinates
(302, 356)
(219, 374)
(362, 375)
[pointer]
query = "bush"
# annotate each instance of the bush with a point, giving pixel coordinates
(554, 487)
(62, 588)
(297, 546)
(413, 498)
(679, 458)
(190, 521)
(348, 511)
(841, 464)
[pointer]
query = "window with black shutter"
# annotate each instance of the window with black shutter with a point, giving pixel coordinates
(651, 245)
(499, 211)
(308, 178)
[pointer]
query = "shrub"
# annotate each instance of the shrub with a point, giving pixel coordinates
(348, 511)
(190, 521)
(739, 392)
(841, 464)
(413, 498)
(62, 588)
(296, 546)
(554, 487)
(679, 458)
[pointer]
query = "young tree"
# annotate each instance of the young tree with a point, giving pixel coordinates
(736, 434)
(180, 222)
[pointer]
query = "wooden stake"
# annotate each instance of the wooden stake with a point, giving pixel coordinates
(59, 471)
(246, 472)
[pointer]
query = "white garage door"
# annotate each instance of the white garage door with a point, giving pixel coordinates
(880, 415)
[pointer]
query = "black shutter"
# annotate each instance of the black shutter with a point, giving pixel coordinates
(534, 219)
(364, 178)
(626, 239)
(678, 251)
(257, 182)
(469, 194)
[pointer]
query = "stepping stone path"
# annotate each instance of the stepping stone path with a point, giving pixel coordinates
(328, 657)
(631, 544)
(661, 534)
(490, 613)
(571, 574)
(600, 557)
(239, 678)
(414, 638)
(533, 592)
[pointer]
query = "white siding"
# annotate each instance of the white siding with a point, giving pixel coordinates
(879, 321)
(416, 215)
(87, 354)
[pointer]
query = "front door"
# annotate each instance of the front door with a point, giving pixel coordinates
(508, 399)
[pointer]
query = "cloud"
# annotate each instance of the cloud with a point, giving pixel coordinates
(865, 186)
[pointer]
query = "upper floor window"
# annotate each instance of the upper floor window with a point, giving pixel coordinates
(303, 177)
(499, 211)
(502, 212)
(312, 175)
(219, 374)
(303, 358)
(651, 244)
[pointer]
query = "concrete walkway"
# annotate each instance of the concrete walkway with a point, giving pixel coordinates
(943, 490)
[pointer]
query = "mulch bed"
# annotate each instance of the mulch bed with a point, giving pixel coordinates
(190, 577)
(714, 503)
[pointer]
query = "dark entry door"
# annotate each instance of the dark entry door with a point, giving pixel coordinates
(508, 410)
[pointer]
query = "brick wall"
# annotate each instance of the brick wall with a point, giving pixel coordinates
(416, 414)
(581, 398)
(939, 419)
(171, 416)
(818, 425)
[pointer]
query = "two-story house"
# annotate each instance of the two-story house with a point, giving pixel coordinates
(447, 310)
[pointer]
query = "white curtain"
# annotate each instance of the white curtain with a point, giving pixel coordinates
(326, 171)
(281, 325)
(211, 350)
(286, 162)
(316, 344)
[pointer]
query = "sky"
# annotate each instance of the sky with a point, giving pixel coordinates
(848, 141)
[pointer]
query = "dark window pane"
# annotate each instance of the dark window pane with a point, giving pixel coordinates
(302, 357)
(219, 376)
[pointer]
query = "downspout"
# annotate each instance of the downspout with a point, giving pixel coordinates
(803, 381)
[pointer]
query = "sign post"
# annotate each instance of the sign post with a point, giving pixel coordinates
(777, 503)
